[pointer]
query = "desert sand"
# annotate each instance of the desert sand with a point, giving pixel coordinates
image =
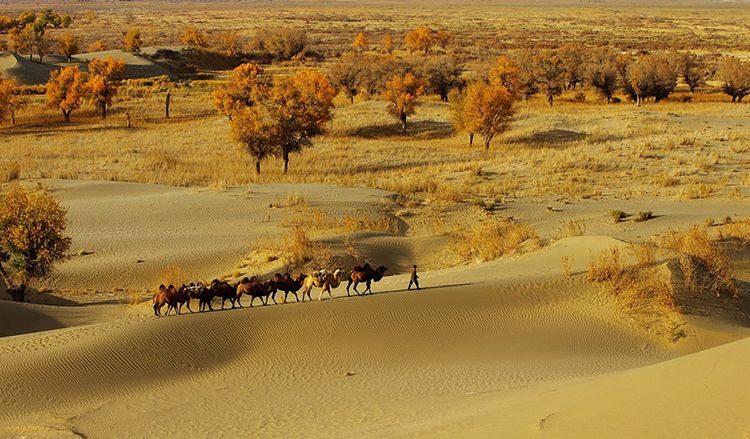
(509, 348)
(27, 72)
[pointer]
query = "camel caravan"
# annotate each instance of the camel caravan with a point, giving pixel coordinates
(176, 298)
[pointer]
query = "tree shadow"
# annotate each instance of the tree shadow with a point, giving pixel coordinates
(423, 129)
(551, 137)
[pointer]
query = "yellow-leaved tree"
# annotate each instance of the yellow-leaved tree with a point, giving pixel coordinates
(301, 106)
(32, 237)
(422, 38)
(11, 99)
(66, 89)
(243, 90)
(194, 37)
(402, 93)
(360, 42)
(277, 118)
(488, 109)
(133, 40)
(103, 84)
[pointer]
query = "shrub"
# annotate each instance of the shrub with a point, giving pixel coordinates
(644, 215)
(492, 239)
(695, 242)
(617, 215)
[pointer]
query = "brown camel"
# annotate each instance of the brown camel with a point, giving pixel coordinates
(224, 290)
(177, 300)
(169, 296)
(254, 288)
(324, 280)
(288, 285)
(364, 274)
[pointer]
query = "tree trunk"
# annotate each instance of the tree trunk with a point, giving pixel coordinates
(550, 98)
(285, 158)
(257, 166)
(166, 105)
(19, 293)
(403, 122)
(487, 142)
(471, 139)
(13, 117)
(104, 110)
(66, 116)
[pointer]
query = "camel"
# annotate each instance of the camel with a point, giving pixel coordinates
(364, 274)
(288, 285)
(224, 290)
(324, 280)
(169, 296)
(195, 292)
(177, 300)
(254, 288)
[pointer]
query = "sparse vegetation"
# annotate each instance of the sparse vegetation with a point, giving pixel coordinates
(492, 239)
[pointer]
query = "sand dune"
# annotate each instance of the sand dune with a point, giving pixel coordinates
(32, 73)
(509, 348)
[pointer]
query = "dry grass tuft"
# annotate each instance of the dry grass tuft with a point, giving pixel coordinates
(492, 239)
(173, 274)
(696, 243)
(638, 291)
(9, 171)
(571, 228)
(317, 221)
(737, 229)
(296, 248)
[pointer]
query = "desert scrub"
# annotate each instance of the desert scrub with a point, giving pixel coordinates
(617, 215)
(634, 289)
(9, 171)
(698, 245)
(315, 220)
(737, 229)
(492, 239)
(644, 215)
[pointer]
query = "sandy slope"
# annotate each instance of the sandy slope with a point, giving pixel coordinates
(32, 72)
(509, 348)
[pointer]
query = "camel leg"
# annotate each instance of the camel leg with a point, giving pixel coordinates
(188, 306)
(347, 287)
(368, 288)
(355, 288)
(239, 302)
(295, 296)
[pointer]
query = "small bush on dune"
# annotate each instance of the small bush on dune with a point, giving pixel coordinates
(697, 243)
(739, 229)
(492, 239)
(299, 250)
(634, 289)
(617, 215)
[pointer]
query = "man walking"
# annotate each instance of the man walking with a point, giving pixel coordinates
(414, 278)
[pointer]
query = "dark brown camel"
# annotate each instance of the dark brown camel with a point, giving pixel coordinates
(224, 290)
(195, 291)
(288, 285)
(178, 299)
(254, 288)
(364, 274)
